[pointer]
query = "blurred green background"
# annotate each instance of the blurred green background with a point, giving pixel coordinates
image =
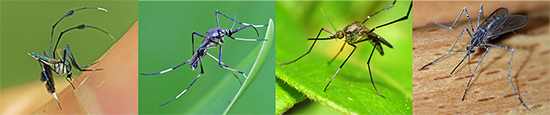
(165, 41)
(299, 20)
(26, 27)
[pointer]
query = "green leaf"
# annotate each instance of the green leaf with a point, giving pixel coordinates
(351, 91)
(260, 60)
(286, 97)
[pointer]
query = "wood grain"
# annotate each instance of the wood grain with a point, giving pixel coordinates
(436, 91)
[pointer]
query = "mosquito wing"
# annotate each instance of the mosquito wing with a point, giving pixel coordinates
(378, 43)
(497, 14)
(506, 24)
(46, 76)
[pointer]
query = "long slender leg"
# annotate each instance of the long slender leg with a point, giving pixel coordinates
(73, 60)
(167, 70)
(480, 14)
(193, 41)
(67, 66)
(229, 33)
(400, 19)
(370, 73)
(456, 20)
(391, 5)
(225, 66)
(218, 20)
(467, 86)
(68, 14)
(510, 69)
(338, 53)
(354, 47)
(465, 29)
(316, 38)
(202, 71)
(78, 27)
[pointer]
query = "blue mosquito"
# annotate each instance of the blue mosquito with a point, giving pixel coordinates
(355, 33)
(62, 66)
(498, 23)
(213, 39)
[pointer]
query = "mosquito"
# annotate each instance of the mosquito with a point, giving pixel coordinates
(352, 34)
(60, 66)
(213, 38)
(498, 23)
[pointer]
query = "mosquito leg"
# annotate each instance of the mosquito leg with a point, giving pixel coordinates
(69, 54)
(370, 73)
(193, 41)
(220, 63)
(78, 27)
(391, 5)
(480, 14)
(400, 19)
(218, 20)
(167, 70)
(69, 77)
(354, 47)
(456, 20)
(68, 14)
(338, 53)
(202, 71)
(467, 86)
(229, 33)
(510, 69)
(465, 29)
(315, 40)
(225, 66)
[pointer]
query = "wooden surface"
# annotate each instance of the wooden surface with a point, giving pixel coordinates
(447, 11)
(435, 91)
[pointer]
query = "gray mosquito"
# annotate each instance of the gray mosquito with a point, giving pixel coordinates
(498, 23)
(214, 38)
(355, 33)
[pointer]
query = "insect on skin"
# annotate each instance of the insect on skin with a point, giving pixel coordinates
(498, 23)
(212, 39)
(352, 34)
(64, 65)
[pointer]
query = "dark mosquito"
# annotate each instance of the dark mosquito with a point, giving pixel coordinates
(214, 38)
(498, 23)
(61, 66)
(355, 33)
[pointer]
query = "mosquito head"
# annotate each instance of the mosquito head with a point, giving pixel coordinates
(340, 35)
(470, 49)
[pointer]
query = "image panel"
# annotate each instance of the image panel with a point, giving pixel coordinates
(319, 82)
(177, 73)
(498, 65)
(91, 70)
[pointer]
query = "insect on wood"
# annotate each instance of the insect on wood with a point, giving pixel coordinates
(498, 23)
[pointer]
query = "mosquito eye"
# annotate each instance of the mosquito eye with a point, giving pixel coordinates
(340, 35)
